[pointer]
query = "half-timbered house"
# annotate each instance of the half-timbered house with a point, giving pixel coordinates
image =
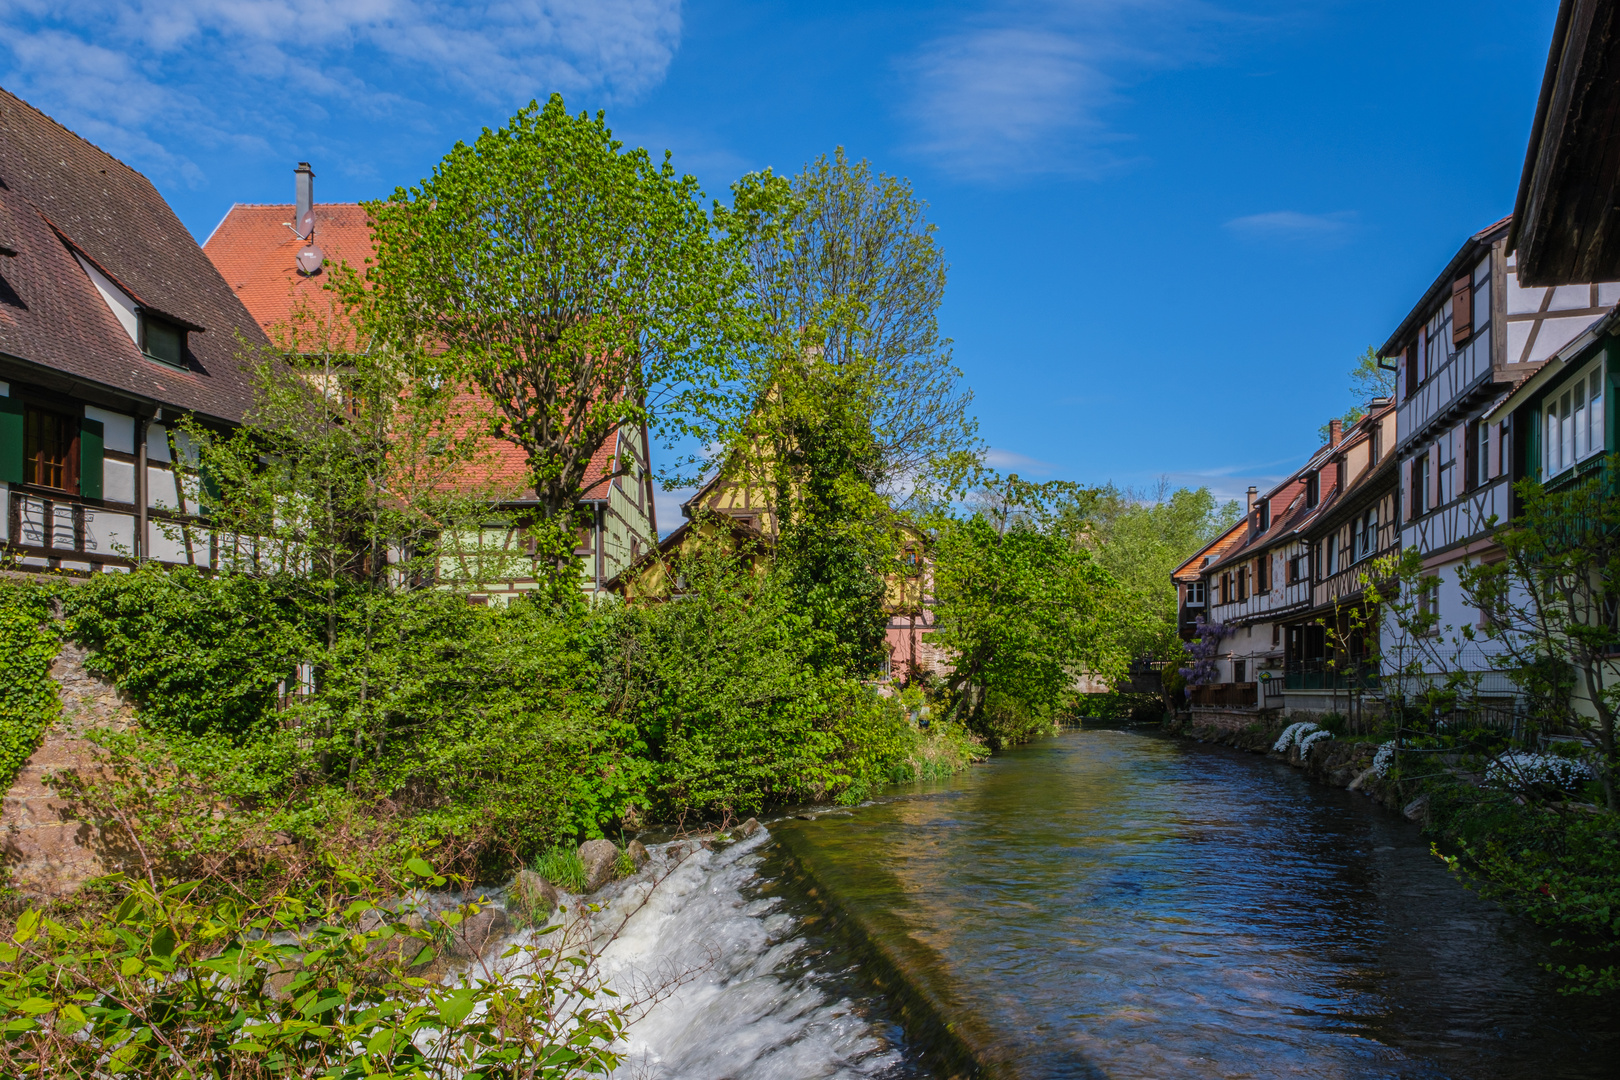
(257, 247)
(1328, 644)
(113, 325)
(1475, 334)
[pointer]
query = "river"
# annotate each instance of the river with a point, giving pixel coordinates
(1104, 903)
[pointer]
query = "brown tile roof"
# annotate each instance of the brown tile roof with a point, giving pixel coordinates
(59, 190)
(253, 249)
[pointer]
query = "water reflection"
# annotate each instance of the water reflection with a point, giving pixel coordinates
(1117, 904)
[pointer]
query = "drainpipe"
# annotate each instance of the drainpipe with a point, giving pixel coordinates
(140, 487)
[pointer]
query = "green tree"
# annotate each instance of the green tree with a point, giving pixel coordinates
(1368, 380)
(580, 286)
(854, 407)
(1025, 609)
(1140, 537)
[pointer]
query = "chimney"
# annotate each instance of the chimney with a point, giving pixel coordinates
(1335, 431)
(1248, 506)
(303, 210)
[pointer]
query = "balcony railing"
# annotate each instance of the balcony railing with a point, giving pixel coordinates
(1330, 675)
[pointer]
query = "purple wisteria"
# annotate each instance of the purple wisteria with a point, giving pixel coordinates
(1207, 638)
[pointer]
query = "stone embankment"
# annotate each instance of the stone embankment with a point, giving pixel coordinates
(46, 851)
(1336, 762)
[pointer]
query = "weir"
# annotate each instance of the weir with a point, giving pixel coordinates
(1099, 904)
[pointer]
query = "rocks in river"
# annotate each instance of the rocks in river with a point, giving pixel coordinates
(748, 828)
(471, 938)
(532, 897)
(1417, 810)
(599, 857)
(638, 853)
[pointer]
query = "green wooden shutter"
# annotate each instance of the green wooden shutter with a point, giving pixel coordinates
(11, 440)
(92, 446)
(210, 492)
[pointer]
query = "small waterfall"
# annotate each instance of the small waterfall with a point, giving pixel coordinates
(745, 996)
(747, 1010)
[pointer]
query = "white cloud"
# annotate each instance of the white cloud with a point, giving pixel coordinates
(1292, 226)
(1021, 88)
(140, 75)
(667, 507)
(1010, 461)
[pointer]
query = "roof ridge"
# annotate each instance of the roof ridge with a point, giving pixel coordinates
(57, 123)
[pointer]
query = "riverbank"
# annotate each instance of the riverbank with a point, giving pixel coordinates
(1334, 762)
(1108, 902)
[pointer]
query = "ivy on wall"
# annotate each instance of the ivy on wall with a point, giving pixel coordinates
(28, 701)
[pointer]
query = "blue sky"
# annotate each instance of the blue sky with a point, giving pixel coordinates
(1172, 224)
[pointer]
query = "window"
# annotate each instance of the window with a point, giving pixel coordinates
(1367, 534)
(1240, 671)
(1313, 488)
(1264, 515)
(1574, 422)
(1226, 587)
(1482, 453)
(1195, 594)
(163, 340)
(1243, 582)
(50, 450)
(1299, 568)
(1263, 574)
(1420, 485)
(1428, 604)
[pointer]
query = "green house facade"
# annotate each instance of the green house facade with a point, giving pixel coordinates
(1563, 418)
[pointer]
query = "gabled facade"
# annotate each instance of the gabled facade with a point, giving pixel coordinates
(257, 247)
(1326, 648)
(1475, 334)
(113, 324)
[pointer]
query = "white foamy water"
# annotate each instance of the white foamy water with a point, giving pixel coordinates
(745, 1010)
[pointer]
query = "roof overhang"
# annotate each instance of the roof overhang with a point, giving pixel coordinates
(1566, 229)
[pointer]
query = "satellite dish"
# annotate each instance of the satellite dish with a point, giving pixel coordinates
(306, 223)
(309, 259)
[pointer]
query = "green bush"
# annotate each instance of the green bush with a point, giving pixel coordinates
(28, 701)
(1557, 865)
(167, 982)
(482, 735)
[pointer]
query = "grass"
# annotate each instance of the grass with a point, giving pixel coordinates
(563, 868)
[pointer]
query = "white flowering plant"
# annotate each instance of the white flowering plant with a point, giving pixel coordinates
(1383, 759)
(1292, 734)
(1524, 771)
(1311, 740)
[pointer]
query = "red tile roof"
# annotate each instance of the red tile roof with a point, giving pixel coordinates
(59, 194)
(254, 249)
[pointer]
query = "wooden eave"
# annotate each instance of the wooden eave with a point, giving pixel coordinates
(1566, 228)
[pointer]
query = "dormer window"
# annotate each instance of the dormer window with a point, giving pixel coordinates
(163, 340)
(1313, 488)
(1264, 515)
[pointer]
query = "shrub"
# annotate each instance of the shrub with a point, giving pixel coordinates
(28, 702)
(166, 983)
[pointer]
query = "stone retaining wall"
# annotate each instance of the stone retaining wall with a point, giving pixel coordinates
(47, 852)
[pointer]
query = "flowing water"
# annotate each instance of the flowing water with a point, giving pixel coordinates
(1099, 904)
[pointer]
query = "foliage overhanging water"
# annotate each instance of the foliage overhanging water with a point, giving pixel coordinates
(1109, 903)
